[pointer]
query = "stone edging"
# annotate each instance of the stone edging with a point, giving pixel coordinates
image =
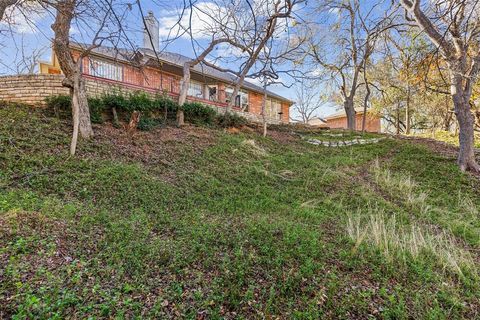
(344, 143)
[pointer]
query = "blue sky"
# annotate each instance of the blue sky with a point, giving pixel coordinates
(33, 34)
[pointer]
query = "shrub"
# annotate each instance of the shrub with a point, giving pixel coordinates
(97, 107)
(60, 105)
(115, 100)
(147, 123)
(198, 113)
(228, 120)
(140, 101)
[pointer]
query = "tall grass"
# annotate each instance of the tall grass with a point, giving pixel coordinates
(398, 241)
(402, 186)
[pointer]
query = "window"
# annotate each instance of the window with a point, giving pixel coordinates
(104, 69)
(228, 94)
(273, 108)
(243, 97)
(195, 89)
(212, 93)
(241, 100)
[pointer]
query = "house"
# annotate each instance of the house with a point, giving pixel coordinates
(339, 121)
(159, 72)
(318, 122)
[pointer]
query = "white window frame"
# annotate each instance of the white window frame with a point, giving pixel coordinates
(105, 69)
(195, 89)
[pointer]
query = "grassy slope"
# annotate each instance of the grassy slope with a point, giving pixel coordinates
(217, 226)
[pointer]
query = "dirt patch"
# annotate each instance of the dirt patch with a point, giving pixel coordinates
(159, 146)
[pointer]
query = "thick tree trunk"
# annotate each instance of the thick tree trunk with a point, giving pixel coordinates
(466, 156)
(350, 112)
(85, 125)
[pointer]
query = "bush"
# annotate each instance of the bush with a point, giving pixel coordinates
(147, 124)
(149, 107)
(198, 113)
(97, 108)
(60, 105)
(230, 119)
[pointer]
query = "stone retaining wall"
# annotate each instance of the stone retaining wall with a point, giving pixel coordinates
(33, 89)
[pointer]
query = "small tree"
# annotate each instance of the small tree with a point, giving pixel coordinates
(308, 100)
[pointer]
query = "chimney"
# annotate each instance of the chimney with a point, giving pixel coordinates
(151, 32)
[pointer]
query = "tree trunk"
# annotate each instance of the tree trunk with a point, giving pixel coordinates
(85, 125)
(350, 112)
(407, 112)
(183, 94)
(264, 107)
(72, 71)
(398, 118)
(365, 106)
(466, 156)
(80, 112)
(76, 121)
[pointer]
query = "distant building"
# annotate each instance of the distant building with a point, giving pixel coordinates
(318, 122)
(339, 121)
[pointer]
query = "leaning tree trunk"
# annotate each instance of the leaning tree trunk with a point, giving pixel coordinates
(350, 111)
(72, 71)
(466, 156)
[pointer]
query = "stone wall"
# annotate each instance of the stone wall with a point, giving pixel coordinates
(31, 89)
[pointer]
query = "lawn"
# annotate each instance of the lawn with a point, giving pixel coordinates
(199, 223)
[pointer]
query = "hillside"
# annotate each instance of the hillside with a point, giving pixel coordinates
(204, 224)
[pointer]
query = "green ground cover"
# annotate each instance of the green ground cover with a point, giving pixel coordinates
(199, 223)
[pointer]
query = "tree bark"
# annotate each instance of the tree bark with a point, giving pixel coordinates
(350, 112)
(466, 155)
(407, 112)
(183, 94)
(72, 71)
(264, 109)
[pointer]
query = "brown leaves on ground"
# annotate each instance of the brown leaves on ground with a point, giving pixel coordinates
(159, 146)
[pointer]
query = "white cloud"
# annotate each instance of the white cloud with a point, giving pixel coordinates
(24, 19)
(202, 19)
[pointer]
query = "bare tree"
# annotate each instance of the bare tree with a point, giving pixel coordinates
(271, 13)
(308, 100)
(347, 44)
(453, 26)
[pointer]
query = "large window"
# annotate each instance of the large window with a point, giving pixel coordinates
(104, 69)
(273, 108)
(241, 100)
(195, 89)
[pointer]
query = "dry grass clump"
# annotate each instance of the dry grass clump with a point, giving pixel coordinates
(401, 186)
(252, 146)
(416, 241)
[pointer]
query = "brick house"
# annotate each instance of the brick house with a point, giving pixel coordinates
(160, 72)
(339, 121)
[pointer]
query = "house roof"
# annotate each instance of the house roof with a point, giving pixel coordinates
(341, 114)
(178, 60)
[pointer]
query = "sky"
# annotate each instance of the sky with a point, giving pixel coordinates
(31, 38)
